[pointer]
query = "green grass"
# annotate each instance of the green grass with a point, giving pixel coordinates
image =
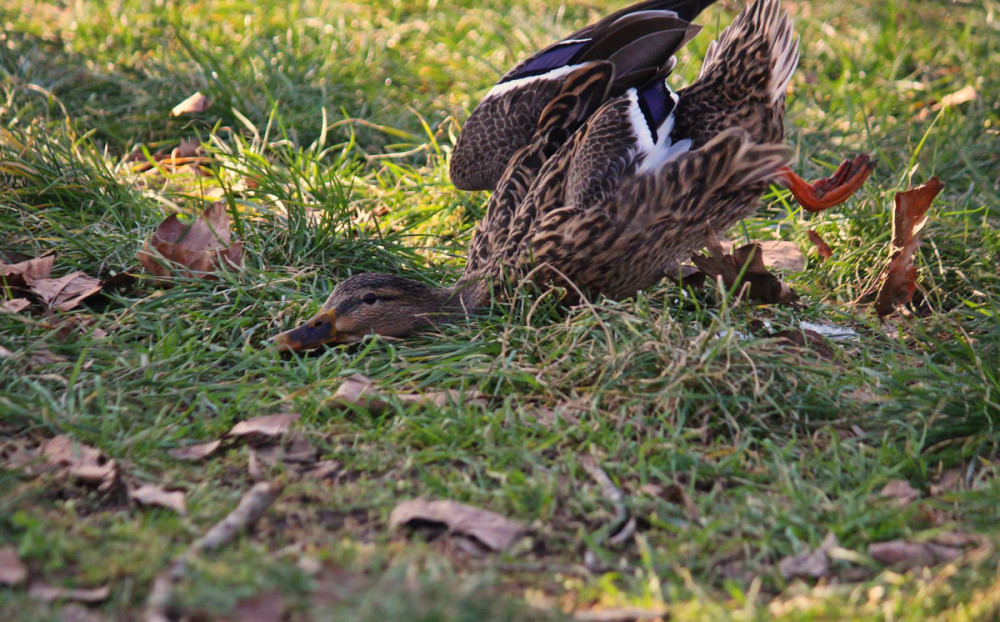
(345, 115)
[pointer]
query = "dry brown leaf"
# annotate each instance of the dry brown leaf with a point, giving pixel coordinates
(263, 428)
(194, 103)
(323, 469)
(81, 461)
(22, 273)
(904, 555)
(822, 248)
(65, 292)
(199, 451)
(42, 356)
(78, 324)
(12, 571)
(760, 284)
(813, 563)
(778, 254)
(14, 305)
(360, 391)
(950, 480)
(154, 495)
(5, 353)
(199, 248)
(492, 530)
(51, 593)
(899, 279)
(900, 491)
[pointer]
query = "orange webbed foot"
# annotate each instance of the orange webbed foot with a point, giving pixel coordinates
(829, 191)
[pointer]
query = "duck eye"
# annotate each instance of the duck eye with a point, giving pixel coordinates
(369, 298)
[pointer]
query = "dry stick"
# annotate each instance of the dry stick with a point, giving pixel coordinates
(250, 509)
(624, 524)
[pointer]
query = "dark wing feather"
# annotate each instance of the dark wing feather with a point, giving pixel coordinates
(639, 41)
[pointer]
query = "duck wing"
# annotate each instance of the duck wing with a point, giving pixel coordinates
(639, 41)
(581, 93)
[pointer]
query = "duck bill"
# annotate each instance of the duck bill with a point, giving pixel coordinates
(320, 330)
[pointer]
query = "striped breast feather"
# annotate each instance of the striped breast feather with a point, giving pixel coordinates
(651, 112)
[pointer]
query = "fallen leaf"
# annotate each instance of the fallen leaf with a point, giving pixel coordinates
(360, 391)
(898, 280)
(813, 563)
(78, 324)
(199, 451)
(900, 491)
(194, 103)
(14, 305)
(263, 428)
(65, 292)
(492, 530)
(5, 353)
(18, 275)
(50, 593)
(42, 356)
(81, 461)
(778, 254)
(323, 469)
(154, 495)
(806, 339)
(756, 281)
(199, 248)
(950, 480)
(822, 248)
(904, 555)
(12, 571)
(961, 96)
(267, 606)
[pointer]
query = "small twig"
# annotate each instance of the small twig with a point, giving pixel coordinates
(250, 509)
(623, 526)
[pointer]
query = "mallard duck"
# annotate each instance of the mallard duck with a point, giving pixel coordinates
(614, 180)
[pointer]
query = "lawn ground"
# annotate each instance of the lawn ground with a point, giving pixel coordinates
(329, 133)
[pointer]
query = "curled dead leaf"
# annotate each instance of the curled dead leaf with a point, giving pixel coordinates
(154, 495)
(360, 391)
(18, 275)
(898, 279)
(12, 571)
(199, 451)
(66, 292)
(490, 529)
(14, 305)
(822, 248)
(198, 248)
(195, 103)
(263, 428)
(904, 555)
(814, 563)
(900, 491)
(82, 462)
(777, 254)
(756, 281)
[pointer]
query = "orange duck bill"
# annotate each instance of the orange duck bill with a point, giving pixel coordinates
(830, 191)
(321, 329)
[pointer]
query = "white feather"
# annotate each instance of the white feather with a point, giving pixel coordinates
(506, 87)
